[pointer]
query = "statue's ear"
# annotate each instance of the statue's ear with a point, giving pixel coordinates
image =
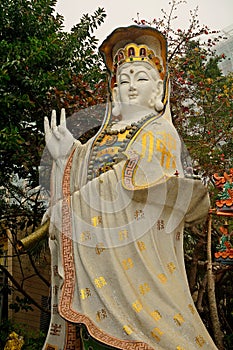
(159, 88)
(115, 94)
(156, 97)
(116, 109)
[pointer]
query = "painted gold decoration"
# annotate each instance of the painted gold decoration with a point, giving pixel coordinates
(156, 315)
(137, 306)
(157, 333)
(179, 319)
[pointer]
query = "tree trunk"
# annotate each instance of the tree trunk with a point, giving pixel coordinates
(192, 276)
(201, 293)
(218, 335)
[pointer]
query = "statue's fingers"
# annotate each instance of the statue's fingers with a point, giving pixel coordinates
(63, 118)
(46, 127)
(53, 120)
(56, 133)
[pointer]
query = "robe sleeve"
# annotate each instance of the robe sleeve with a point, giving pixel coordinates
(199, 205)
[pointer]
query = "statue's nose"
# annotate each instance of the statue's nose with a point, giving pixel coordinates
(131, 88)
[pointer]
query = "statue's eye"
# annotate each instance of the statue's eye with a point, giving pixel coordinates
(124, 82)
(141, 76)
(124, 79)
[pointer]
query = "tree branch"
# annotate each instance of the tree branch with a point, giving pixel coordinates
(21, 290)
(37, 271)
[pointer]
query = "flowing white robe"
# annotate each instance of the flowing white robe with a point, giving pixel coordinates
(117, 248)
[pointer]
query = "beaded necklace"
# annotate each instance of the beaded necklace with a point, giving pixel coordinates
(109, 145)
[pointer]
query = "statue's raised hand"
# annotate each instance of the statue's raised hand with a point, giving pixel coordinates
(58, 138)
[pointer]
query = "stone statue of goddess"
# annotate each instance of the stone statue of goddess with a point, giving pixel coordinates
(118, 208)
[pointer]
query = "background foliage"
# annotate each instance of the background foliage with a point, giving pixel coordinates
(42, 68)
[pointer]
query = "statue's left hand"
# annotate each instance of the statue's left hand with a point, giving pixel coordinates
(58, 138)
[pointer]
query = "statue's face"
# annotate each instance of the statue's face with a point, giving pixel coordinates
(136, 85)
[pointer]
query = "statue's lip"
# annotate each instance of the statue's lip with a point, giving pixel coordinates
(131, 96)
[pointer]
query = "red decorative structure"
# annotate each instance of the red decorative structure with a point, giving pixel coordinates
(224, 203)
(224, 253)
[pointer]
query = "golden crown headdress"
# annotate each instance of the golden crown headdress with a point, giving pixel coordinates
(137, 53)
(135, 43)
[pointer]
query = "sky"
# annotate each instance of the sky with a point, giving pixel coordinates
(216, 14)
